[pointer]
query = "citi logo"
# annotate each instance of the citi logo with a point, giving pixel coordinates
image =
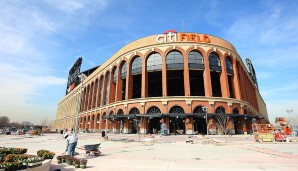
(173, 36)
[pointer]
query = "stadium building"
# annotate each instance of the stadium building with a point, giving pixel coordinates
(186, 83)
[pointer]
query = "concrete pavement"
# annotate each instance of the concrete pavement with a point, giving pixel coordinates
(125, 152)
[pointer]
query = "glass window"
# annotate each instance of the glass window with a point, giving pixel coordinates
(174, 60)
(229, 66)
(154, 62)
(214, 62)
(176, 109)
(235, 111)
(153, 110)
(123, 70)
(195, 60)
(198, 109)
(228, 63)
(134, 111)
(220, 110)
(115, 75)
(120, 112)
(136, 67)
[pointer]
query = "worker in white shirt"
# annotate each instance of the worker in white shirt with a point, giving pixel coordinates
(72, 141)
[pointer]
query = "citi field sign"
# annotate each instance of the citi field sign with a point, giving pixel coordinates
(173, 36)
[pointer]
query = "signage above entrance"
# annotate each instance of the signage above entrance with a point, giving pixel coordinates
(173, 36)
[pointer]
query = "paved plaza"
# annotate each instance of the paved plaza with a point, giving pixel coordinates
(125, 152)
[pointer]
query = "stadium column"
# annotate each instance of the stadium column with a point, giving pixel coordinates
(111, 94)
(207, 77)
(129, 81)
(88, 96)
(144, 79)
(83, 123)
(91, 125)
(164, 76)
(102, 124)
(224, 78)
(113, 87)
(98, 92)
(92, 94)
(236, 80)
(243, 76)
(104, 88)
(119, 85)
(82, 100)
(186, 75)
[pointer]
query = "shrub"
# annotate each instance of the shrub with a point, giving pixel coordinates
(46, 154)
(83, 162)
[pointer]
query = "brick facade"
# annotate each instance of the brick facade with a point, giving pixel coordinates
(92, 99)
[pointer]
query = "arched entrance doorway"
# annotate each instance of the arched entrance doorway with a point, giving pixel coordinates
(237, 122)
(177, 120)
(133, 122)
(121, 121)
(154, 120)
(200, 126)
(221, 121)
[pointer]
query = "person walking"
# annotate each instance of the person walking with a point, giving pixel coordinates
(72, 143)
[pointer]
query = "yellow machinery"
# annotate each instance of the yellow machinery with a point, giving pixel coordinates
(263, 132)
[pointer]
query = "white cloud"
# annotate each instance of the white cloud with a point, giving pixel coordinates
(269, 27)
(71, 6)
(278, 108)
(24, 69)
(281, 90)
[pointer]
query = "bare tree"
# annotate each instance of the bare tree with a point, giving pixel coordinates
(26, 123)
(222, 122)
(4, 121)
(137, 125)
(44, 122)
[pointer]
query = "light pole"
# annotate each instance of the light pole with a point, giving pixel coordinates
(289, 111)
(205, 109)
(82, 77)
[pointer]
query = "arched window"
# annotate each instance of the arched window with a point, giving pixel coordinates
(104, 115)
(174, 60)
(115, 75)
(214, 62)
(154, 62)
(220, 110)
(235, 111)
(111, 115)
(175, 74)
(134, 111)
(229, 66)
(176, 109)
(195, 60)
(198, 109)
(153, 110)
(123, 70)
(136, 67)
(98, 118)
(120, 112)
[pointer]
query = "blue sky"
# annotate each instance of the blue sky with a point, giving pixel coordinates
(40, 41)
